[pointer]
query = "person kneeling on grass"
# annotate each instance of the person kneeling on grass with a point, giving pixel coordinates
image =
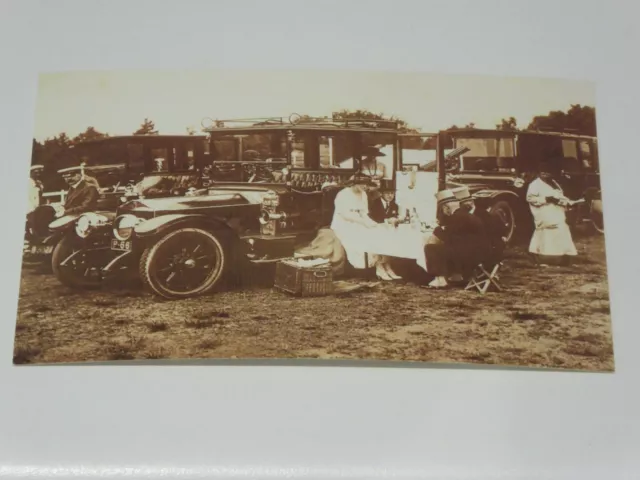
(458, 245)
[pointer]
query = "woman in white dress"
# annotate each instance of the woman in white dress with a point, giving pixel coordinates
(552, 237)
(353, 226)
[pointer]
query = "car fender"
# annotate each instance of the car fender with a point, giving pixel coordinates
(487, 196)
(159, 225)
(64, 222)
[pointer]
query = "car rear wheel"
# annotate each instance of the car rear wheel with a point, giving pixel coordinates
(184, 263)
(504, 211)
(73, 266)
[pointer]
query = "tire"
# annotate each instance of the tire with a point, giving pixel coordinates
(504, 211)
(172, 256)
(77, 274)
(597, 217)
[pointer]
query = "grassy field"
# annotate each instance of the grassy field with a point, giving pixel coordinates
(547, 317)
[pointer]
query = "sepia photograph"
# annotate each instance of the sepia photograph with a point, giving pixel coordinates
(330, 215)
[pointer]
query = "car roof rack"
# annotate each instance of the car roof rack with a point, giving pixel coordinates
(569, 133)
(296, 121)
(150, 138)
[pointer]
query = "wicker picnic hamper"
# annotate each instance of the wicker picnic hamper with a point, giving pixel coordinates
(304, 281)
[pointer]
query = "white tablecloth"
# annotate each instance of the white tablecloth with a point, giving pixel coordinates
(403, 241)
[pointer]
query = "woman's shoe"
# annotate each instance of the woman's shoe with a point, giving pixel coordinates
(382, 274)
(438, 282)
(391, 273)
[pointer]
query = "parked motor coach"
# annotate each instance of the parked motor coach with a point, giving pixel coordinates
(498, 166)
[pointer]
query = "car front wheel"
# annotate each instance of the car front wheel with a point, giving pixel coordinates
(184, 263)
(504, 212)
(73, 266)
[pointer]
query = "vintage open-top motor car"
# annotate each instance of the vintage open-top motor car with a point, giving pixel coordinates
(151, 166)
(498, 166)
(183, 246)
(40, 241)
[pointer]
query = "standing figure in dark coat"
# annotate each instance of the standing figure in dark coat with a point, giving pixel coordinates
(82, 195)
(458, 245)
(493, 225)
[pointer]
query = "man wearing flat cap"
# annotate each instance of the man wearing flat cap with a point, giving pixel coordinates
(459, 244)
(82, 195)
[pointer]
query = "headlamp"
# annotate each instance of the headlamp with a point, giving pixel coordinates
(87, 222)
(123, 226)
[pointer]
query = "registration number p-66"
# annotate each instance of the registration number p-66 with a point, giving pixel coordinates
(120, 245)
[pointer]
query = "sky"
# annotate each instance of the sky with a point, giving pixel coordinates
(117, 102)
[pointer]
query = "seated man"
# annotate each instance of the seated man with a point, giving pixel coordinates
(458, 244)
(493, 224)
(383, 208)
(82, 195)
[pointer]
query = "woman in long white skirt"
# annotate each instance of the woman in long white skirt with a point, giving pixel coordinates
(353, 226)
(552, 237)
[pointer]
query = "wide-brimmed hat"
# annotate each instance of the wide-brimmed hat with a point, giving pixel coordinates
(462, 194)
(445, 196)
(371, 151)
(35, 168)
(360, 180)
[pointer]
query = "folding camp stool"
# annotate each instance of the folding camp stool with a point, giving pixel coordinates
(483, 279)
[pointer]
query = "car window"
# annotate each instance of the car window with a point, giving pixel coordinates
(335, 152)
(587, 156)
(570, 161)
(487, 154)
(185, 157)
(136, 157)
(160, 157)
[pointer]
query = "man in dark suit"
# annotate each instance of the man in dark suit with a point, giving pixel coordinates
(458, 245)
(383, 207)
(493, 224)
(82, 195)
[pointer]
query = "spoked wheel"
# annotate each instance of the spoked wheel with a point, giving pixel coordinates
(504, 211)
(75, 267)
(184, 263)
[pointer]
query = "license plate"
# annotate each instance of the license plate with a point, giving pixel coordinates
(41, 249)
(120, 245)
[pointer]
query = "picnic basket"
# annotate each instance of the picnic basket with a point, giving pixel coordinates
(301, 280)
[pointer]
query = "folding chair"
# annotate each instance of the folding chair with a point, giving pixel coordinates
(483, 279)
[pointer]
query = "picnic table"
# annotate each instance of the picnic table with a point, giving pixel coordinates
(404, 241)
